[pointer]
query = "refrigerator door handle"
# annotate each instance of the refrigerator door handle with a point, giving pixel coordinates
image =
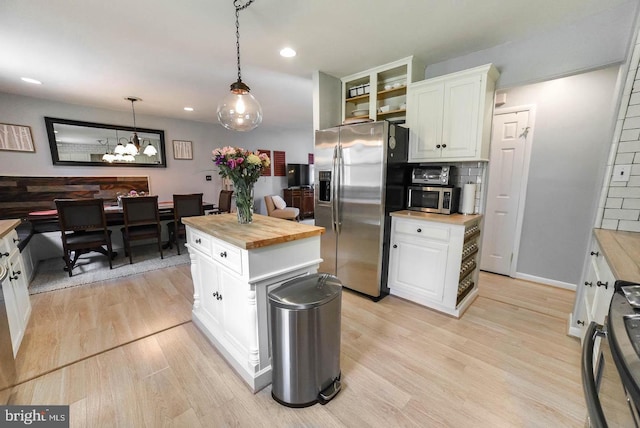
(338, 200)
(333, 188)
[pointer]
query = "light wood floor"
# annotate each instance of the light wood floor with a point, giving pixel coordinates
(506, 363)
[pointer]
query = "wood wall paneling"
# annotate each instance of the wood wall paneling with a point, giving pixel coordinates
(20, 195)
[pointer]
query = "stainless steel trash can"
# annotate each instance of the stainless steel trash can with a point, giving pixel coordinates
(305, 340)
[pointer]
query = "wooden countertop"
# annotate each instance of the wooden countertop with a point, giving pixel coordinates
(7, 226)
(621, 250)
(264, 230)
(460, 219)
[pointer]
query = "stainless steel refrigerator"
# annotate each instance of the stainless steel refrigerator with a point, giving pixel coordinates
(360, 177)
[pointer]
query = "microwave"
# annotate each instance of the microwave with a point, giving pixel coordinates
(432, 175)
(433, 199)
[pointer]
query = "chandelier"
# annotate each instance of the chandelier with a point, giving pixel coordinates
(239, 110)
(133, 146)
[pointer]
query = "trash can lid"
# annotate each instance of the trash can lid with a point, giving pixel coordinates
(306, 292)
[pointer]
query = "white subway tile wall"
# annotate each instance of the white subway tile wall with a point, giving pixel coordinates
(471, 172)
(621, 209)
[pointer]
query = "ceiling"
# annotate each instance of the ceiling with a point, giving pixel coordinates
(175, 54)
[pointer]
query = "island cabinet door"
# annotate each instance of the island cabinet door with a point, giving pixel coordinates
(236, 315)
(207, 283)
(21, 287)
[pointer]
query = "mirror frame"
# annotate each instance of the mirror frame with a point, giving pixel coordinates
(51, 121)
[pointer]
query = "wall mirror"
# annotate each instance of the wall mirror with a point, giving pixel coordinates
(86, 143)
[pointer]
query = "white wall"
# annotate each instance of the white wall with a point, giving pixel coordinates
(180, 176)
(593, 42)
(572, 135)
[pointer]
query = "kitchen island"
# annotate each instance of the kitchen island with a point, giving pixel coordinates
(234, 267)
(434, 259)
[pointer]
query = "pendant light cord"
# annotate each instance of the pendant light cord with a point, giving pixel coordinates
(134, 114)
(236, 3)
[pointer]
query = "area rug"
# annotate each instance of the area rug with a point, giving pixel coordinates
(94, 267)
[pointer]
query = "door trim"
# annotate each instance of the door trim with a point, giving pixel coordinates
(531, 108)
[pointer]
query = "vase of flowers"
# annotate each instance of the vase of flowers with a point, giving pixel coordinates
(243, 167)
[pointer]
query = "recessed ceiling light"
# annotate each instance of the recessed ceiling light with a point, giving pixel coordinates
(287, 52)
(188, 109)
(30, 80)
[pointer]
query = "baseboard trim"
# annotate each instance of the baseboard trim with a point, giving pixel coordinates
(546, 281)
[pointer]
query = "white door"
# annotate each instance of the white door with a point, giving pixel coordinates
(508, 166)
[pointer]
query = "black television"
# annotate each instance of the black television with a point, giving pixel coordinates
(297, 175)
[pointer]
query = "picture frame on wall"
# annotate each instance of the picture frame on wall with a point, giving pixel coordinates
(16, 138)
(182, 149)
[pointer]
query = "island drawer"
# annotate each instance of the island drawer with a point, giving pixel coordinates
(199, 241)
(228, 256)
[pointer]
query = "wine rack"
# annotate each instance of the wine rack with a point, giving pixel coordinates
(468, 265)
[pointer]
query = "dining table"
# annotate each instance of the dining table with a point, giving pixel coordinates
(47, 220)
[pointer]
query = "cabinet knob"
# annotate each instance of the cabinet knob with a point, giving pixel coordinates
(590, 284)
(444, 146)
(198, 241)
(595, 253)
(219, 297)
(580, 322)
(419, 230)
(395, 246)
(603, 284)
(13, 277)
(4, 254)
(437, 146)
(223, 254)
(16, 240)
(17, 273)
(215, 294)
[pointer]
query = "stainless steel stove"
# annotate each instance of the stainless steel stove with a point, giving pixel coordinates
(611, 362)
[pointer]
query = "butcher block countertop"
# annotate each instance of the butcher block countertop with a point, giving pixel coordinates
(262, 232)
(622, 252)
(7, 226)
(460, 219)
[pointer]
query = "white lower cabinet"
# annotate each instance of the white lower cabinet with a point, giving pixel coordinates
(593, 295)
(434, 264)
(231, 287)
(15, 289)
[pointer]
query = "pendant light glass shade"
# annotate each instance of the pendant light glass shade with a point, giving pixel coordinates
(120, 149)
(149, 149)
(131, 149)
(239, 110)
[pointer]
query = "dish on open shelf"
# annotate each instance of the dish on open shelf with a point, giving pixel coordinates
(360, 112)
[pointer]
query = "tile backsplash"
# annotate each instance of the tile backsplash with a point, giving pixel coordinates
(621, 210)
(471, 172)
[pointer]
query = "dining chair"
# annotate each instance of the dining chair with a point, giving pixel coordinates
(141, 221)
(224, 202)
(83, 229)
(183, 206)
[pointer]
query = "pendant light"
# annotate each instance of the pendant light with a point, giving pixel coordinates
(133, 146)
(239, 110)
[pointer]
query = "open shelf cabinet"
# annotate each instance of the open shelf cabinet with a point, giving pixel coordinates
(381, 92)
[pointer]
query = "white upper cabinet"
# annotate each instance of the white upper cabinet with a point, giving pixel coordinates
(449, 117)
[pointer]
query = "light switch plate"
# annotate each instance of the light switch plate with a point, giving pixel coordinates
(621, 173)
